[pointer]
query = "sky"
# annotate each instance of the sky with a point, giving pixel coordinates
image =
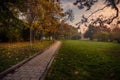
(68, 4)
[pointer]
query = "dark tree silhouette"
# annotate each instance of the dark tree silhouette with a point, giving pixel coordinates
(89, 3)
(69, 15)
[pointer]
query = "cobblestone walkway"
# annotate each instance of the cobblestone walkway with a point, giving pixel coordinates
(34, 69)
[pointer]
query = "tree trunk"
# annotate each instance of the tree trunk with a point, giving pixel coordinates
(31, 36)
(40, 35)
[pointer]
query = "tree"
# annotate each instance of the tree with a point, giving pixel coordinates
(9, 22)
(102, 36)
(90, 32)
(37, 15)
(33, 12)
(66, 31)
(89, 3)
(95, 30)
(114, 35)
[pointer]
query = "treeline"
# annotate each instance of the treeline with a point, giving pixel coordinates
(28, 20)
(103, 34)
(66, 31)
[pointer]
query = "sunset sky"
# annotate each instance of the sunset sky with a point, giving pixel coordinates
(68, 4)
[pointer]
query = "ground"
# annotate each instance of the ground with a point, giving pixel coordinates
(86, 60)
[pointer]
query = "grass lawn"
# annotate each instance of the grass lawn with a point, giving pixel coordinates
(86, 60)
(12, 53)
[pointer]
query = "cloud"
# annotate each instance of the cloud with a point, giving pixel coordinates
(67, 4)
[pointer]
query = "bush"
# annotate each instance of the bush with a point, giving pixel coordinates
(14, 35)
(102, 36)
(115, 36)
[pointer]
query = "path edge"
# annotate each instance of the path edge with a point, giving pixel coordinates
(50, 63)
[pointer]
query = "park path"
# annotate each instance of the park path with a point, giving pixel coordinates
(36, 67)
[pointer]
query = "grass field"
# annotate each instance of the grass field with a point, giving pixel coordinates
(12, 53)
(86, 60)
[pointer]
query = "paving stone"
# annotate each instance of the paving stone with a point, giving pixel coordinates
(34, 79)
(25, 78)
(16, 78)
(7, 78)
(9, 75)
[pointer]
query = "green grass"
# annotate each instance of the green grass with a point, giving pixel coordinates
(86, 60)
(12, 53)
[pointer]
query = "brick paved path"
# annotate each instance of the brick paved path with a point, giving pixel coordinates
(34, 69)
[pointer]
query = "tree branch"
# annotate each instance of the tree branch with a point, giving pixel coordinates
(112, 4)
(93, 13)
(97, 11)
(117, 14)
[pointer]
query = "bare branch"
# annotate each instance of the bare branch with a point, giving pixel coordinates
(93, 13)
(117, 14)
(78, 23)
(110, 3)
(97, 11)
(69, 15)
